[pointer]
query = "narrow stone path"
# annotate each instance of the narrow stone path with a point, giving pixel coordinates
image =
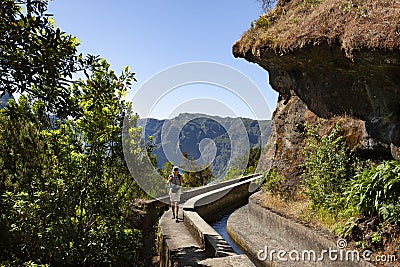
(192, 241)
(185, 251)
(230, 261)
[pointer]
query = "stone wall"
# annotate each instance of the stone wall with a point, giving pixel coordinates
(256, 228)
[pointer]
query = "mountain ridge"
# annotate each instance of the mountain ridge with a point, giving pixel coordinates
(202, 135)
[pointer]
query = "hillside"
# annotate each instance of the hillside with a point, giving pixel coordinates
(334, 61)
(330, 59)
(230, 135)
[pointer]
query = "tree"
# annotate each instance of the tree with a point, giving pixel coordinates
(254, 156)
(194, 175)
(35, 56)
(251, 157)
(150, 147)
(65, 189)
(166, 170)
(65, 184)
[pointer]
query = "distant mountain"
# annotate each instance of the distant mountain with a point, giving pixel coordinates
(192, 133)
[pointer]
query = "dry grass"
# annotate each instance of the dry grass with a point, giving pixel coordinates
(298, 208)
(353, 24)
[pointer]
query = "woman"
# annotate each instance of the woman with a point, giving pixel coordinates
(175, 182)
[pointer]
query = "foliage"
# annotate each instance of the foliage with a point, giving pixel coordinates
(150, 147)
(195, 176)
(376, 238)
(376, 191)
(262, 22)
(65, 188)
(251, 157)
(327, 168)
(274, 182)
(323, 217)
(337, 184)
(35, 56)
(232, 173)
(254, 156)
(137, 151)
(166, 170)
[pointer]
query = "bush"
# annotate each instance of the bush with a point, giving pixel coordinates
(274, 182)
(328, 166)
(262, 22)
(375, 191)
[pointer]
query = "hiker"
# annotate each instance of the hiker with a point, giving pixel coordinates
(175, 181)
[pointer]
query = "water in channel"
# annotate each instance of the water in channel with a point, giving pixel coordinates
(220, 227)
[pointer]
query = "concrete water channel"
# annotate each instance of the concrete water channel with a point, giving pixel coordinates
(257, 232)
(220, 227)
(193, 241)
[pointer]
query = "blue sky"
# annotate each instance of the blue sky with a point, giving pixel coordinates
(151, 36)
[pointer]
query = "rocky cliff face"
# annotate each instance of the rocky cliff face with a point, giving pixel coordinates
(317, 77)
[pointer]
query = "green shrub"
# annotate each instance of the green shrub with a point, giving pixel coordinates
(375, 191)
(262, 22)
(274, 182)
(328, 166)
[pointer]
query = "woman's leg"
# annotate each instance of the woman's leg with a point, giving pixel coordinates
(173, 209)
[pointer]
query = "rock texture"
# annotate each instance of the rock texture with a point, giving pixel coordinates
(319, 79)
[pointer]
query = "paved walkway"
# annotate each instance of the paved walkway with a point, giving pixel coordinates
(185, 251)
